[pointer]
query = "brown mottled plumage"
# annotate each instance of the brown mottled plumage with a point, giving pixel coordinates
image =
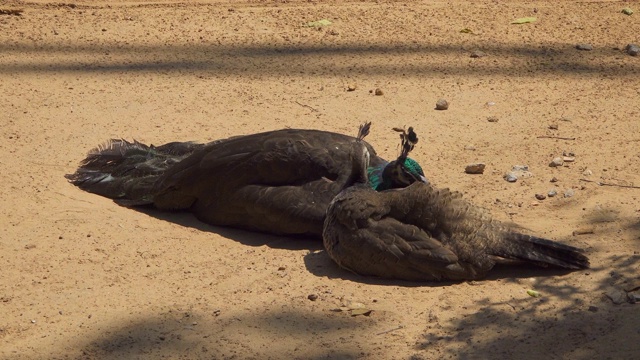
(277, 182)
(424, 233)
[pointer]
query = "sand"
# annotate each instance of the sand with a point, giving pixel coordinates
(83, 278)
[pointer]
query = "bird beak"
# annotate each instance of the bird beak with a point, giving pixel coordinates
(423, 179)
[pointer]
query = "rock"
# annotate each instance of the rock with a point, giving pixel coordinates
(554, 179)
(312, 297)
(569, 193)
(478, 54)
(553, 126)
(617, 296)
(584, 47)
(442, 104)
(470, 147)
(633, 49)
(517, 172)
(552, 193)
(492, 119)
(568, 153)
(556, 162)
(587, 172)
(351, 87)
(510, 177)
(634, 297)
(475, 168)
(568, 159)
(541, 196)
(593, 308)
(627, 11)
(378, 92)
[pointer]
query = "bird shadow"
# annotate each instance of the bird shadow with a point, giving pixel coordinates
(244, 237)
(318, 262)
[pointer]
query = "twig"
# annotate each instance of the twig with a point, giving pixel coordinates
(555, 137)
(390, 330)
(307, 106)
(608, 184)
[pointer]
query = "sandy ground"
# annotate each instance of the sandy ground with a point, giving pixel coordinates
(84, 278)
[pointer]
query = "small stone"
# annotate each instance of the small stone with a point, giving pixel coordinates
(378, 92)
(520, 168)
(510, 177)
(584, 47)
(553, 126)
(442, 104)
(492, 119)
(556, 162)
(282, 268)
(633, 49)
(351, 87)
(475, 168)
(478, 54)
(554, 179)
(552, 193)
(617, 296)
(593, 308)
(568, 153)
(103, 30)
(470, 147)
(312, 297)
(162, 338)
(634, 297)
(587, 172)
(541, 196)
(33, 321)
(627, 11)
(569, 193)
(568, 159)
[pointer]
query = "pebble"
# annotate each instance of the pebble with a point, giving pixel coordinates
(378, 92)
(475, 168)
(442, 104)
(553, 126)
(351, 87)
(627, 11)
(634, 297)
(633, 49)
(554, 179)
(617, 296)
(569, 193)
(517, 171)
(478, 54)
(584, 47)
(312, 297)
(593, 308)
(510, 177)
(587, 172)
(556, 162)
(541, 196)
(552, 193)
(492, 119)
(470, 147)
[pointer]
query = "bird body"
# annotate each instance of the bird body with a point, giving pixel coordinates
(423, 233)
(279, 182)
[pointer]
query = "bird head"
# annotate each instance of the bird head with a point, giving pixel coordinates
(403, 171)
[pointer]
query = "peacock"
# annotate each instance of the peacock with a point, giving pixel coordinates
(278, 182)
(422, 233)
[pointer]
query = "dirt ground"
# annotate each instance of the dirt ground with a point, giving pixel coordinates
(82, 278)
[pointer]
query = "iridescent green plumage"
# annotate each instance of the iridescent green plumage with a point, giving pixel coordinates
(383, 177)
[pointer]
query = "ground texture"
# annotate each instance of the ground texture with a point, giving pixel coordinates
(84, 278)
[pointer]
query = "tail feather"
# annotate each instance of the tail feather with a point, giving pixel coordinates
(543, 252)
(126, 171)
